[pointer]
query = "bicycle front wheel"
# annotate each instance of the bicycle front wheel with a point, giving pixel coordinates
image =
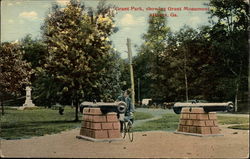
(124, 130)
(130, 131)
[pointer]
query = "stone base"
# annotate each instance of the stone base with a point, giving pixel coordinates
(200, 135)
(97, 126)
(98, 140)
(27, 107)
(197, 121)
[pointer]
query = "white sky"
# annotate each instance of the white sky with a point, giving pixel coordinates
(19, 18)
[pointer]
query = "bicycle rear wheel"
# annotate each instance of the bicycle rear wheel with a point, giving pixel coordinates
(130, 131)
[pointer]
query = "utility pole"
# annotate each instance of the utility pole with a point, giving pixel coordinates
(139, 98)
(131, 70)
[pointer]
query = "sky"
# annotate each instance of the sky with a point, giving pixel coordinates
(22, 17)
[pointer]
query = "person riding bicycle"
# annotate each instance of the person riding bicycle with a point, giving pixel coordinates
(128, 115)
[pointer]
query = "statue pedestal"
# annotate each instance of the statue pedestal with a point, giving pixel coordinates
(28, 102)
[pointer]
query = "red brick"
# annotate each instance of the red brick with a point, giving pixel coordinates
(181, 116)
(215, 130)
(112, 118)
(116, 125)
(192, 129)
(99, 118)
(199, 123)
(96, 126)
(100, 134)
(183, 122)
(185, 128)
(86, 124)
(185, 110)
(203, 130)
(114, 134)
(87, 117)
(180, 128)
(85, 132)
(107, 126)
(192, 116)
(189, 122)
(209, 123)
(95, 111)
(185, 116)
(202, 116)
(212, 115)
(197, 110)
(85, 110)
(215, 122)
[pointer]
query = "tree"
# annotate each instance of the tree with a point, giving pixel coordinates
(229, 36)
(14, 71)
(78, 46)
(148, 63)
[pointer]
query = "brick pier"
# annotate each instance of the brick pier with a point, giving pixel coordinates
(197, 122)
(97, 126)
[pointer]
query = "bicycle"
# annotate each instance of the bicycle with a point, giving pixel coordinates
(128, 129)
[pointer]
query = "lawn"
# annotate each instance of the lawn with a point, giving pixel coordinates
(168, 122)
(232, 120)
(142, 115)
(16, 124)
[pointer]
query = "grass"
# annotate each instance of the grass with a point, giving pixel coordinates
(168, 122)
(232, 120)
(16, 124)
(142, 115)
(240, 127)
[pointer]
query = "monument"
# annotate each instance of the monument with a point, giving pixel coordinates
(28, 101)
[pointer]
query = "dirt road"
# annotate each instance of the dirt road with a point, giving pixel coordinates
(154, 144)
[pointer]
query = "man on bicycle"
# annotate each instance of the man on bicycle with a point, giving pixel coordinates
(128, 115)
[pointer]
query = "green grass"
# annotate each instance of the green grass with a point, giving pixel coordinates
(240, 127)
(232, 120)
(142, 115)
(168, 122)
(17, 124)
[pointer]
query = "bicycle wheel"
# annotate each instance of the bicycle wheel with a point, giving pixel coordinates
(130, 131)
(124, 130)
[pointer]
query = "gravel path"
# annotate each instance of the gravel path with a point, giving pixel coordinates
(153, 144)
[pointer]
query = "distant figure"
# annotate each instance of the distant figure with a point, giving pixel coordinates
(61, 110)
(130, 107)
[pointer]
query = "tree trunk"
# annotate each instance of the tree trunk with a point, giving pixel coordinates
(2, 107)
(76, 110)
(236, 97)
(185, 74)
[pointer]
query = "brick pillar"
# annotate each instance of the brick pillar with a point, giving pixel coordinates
(196, 121)
(97, 126)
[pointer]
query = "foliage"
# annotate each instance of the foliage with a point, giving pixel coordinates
(229, 37)
(206, 63)
(148, 64)
(79, 50)
(14, 70)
